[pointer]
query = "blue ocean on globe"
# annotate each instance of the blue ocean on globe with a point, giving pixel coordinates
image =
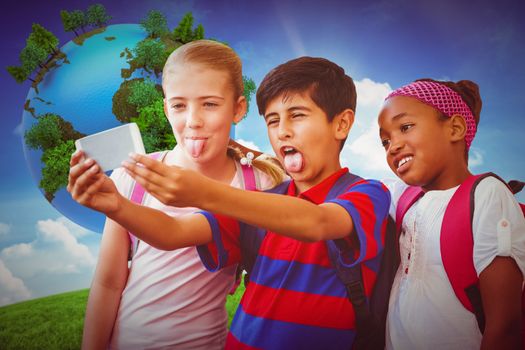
(81, 92)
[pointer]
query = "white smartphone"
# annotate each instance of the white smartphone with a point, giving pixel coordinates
(110, 147)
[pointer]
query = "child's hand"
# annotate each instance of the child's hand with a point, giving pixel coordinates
(171, 185)
(89, 186)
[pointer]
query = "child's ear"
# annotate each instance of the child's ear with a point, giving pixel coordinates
(458, 128)
(343, 123)
(240, 109)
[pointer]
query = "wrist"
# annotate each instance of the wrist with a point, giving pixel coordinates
(204, 198)
(116, 212)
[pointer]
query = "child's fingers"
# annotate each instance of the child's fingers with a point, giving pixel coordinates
(93, 187)
(76, 158)
(85, 179)
(135, 170)
(77, 170)
(152, 188)
(152, 164)
(86, 195)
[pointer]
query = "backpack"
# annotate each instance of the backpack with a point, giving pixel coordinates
(370, 313)
(249, 180)
(457, 243)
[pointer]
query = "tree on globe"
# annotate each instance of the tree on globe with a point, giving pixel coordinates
(104, 77)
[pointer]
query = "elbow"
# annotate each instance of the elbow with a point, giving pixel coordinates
(316, 230)
(508, 332)
(326, 226)
(165, 245)
(111, 281)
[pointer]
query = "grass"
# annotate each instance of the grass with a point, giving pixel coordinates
(55, 322)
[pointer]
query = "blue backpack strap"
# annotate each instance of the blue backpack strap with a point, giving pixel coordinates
(338, 251)
(351, 277)
(251, 237)
(370, 314)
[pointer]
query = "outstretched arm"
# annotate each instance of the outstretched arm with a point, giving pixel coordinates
(291, 216)
(90, 187)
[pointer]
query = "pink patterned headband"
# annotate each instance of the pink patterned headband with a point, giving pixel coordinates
(442, 98)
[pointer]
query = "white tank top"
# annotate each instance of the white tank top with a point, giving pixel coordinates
(170, 299)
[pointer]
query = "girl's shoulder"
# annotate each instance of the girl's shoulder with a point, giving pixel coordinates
(498, 224)
(396, 187)
(492, 193)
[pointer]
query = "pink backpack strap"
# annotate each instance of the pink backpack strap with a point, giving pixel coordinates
(457, 241)
(250, 184)
(248, 175)
(137, 196)
(407, 199)
(457, 246)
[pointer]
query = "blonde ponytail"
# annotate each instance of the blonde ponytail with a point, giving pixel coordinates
(268, 165)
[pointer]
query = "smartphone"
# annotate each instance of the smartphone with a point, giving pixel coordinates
(110, 147)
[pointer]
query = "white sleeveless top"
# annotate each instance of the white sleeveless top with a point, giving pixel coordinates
(170, 299)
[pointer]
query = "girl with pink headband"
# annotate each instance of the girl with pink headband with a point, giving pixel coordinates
(427, 128)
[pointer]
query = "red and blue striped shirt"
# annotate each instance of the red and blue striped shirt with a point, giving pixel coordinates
(294, 299)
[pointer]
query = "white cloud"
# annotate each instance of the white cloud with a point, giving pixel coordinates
(363, 152)
(56, 231)
(54, 262)
(249, 144)
(4, 229)
(371, 93)
(75, 229)
(475, 157)
(12, 289)
(18, 250)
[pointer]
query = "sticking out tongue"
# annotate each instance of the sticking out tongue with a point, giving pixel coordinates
(293, 162)
(195, 147)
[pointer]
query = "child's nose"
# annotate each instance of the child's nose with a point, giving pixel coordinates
(395, 146)
(193, 120)
(284, 131)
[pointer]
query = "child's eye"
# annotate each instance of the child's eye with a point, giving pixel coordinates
(297, 115)
(385, 143)
(405, 127)
(210, 104)
(178, 106)
(273, 121)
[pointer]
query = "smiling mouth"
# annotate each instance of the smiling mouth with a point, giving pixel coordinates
(402, 163)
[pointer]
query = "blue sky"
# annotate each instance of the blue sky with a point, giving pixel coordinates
(381, 44)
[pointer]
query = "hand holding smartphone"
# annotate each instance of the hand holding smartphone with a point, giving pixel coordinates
(110, 147)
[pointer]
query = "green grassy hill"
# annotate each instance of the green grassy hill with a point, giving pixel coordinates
(55, 322)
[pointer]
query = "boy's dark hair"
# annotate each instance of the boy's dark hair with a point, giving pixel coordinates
(327, 84)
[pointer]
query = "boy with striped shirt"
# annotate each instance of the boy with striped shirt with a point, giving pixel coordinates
(294, 299)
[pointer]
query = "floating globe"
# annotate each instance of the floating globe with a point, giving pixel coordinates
(80, 91)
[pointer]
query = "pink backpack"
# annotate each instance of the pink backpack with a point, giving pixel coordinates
(137, 194)
(456, 242)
